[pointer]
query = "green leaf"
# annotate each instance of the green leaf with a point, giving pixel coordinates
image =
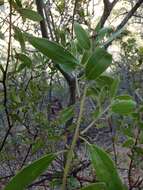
(82, 36)
(24, 58)
(30, 14)
(39, 144)
(21, 67)
(128, 143)
(30, 173)
(128, 131)
(15, 97)
(54, 51)
(124, 97)
(140, 125)
(95, 186)
(78, 49)
(105, 169)
(26, 61)
(14, 5)
(66, 67)
(18, 35)
(85, 57)
(105, 80)
(114, 87)
(19, 3)
(98, 63)
(123, 107)
(138, 150)
(66, 114)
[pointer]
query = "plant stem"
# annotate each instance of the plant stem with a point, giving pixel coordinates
(109, 120)
(94, 121)
(131, 185)
(75, 138)
(4, 81)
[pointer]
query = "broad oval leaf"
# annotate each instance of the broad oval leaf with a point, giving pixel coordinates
(30, 14)
(30, 173)
(99, 61)
(105, 169)
(123, 107)
(82, 36)
(95, 186)
(54, 51)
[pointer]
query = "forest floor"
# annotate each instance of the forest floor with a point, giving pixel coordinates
(103, 138)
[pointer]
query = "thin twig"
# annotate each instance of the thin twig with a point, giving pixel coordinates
(10, 125)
